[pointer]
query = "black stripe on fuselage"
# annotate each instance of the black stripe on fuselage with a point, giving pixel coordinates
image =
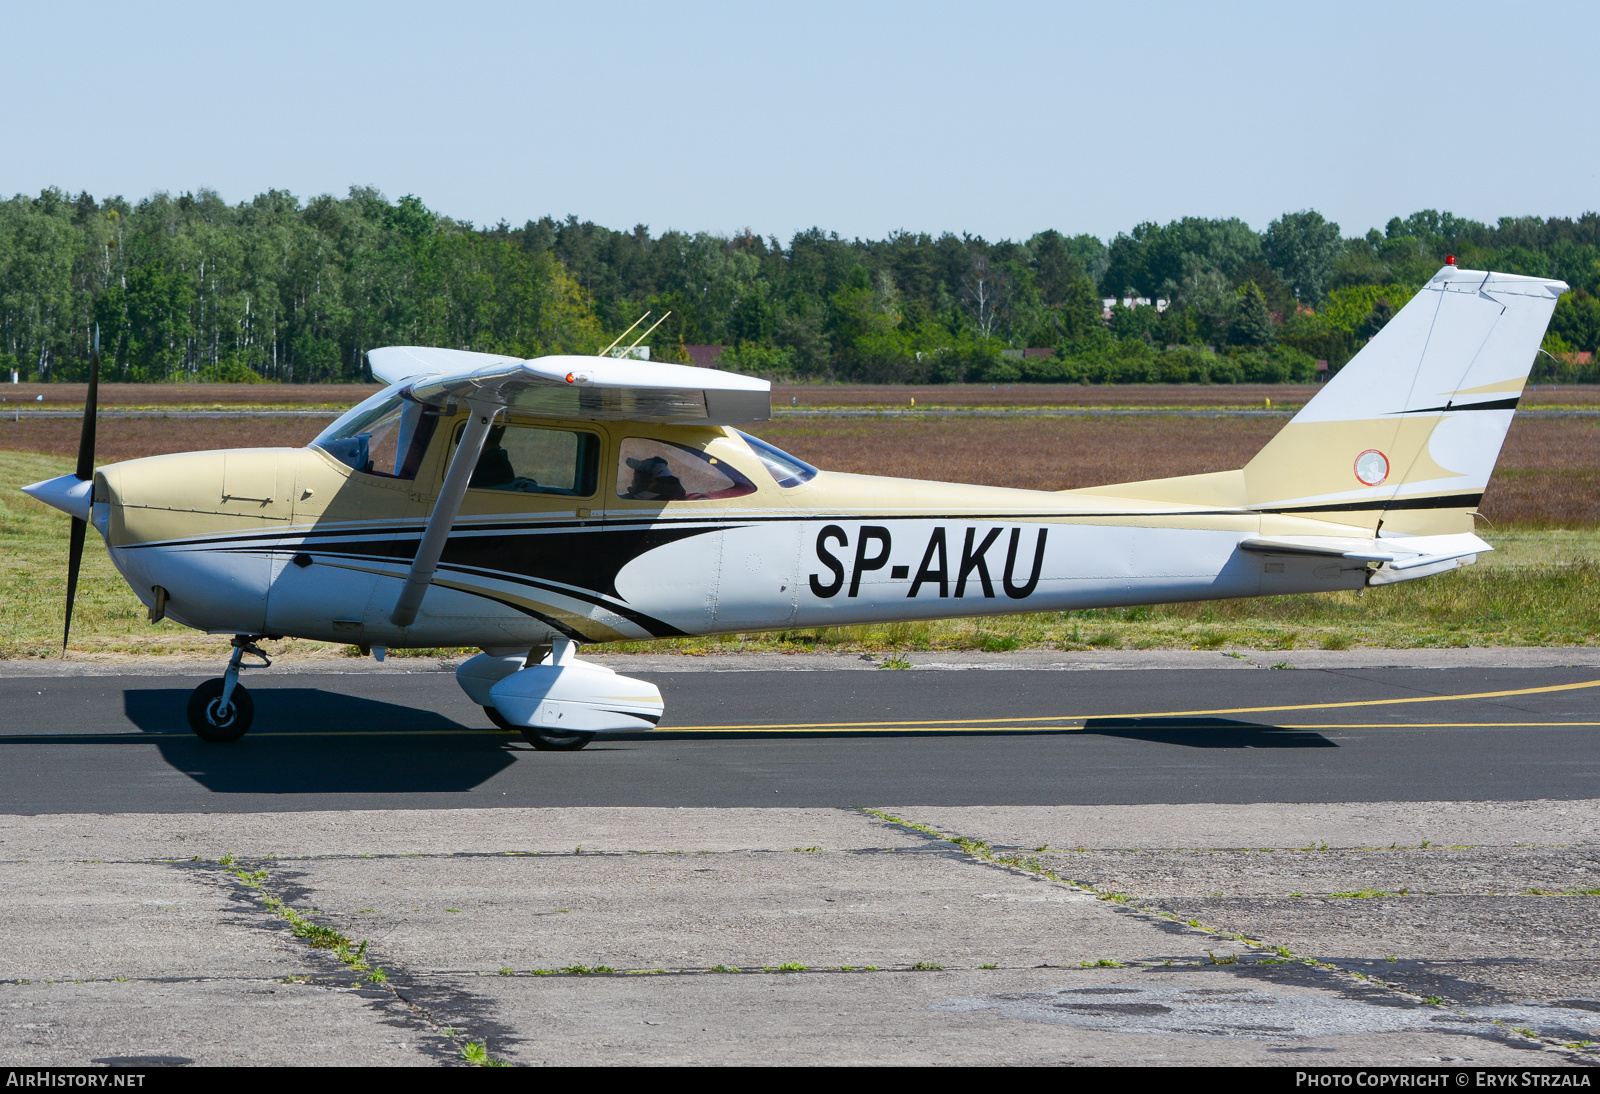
(393, 534)
(1445, 501)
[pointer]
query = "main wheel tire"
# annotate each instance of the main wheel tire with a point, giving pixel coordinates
(545, 740)
(210, 724)
(549, 740)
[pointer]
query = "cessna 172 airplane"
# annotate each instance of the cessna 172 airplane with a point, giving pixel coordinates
(528, 507)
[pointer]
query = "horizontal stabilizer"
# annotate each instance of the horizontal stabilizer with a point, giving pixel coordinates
(572, 387)
(1399, 552)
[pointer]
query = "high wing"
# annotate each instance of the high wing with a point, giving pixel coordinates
(573, 387)
(564, 386)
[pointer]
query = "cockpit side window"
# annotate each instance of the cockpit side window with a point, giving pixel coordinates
(652, 470)
(533, 460)
(387, 435)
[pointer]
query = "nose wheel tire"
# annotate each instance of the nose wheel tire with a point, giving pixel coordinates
(545, 740)
(210, 722)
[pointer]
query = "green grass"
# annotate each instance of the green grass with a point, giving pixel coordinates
(1541, 587)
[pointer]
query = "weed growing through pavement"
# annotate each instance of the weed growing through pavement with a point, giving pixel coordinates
(1561, 892)
(897, 661)
(477, 1054)
(317, 936)
(1363, 894)
(788, 966)
(926, 966)
(1103, 963)
(586, 970)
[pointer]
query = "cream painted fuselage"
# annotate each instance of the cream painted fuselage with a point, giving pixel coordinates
(292, 542)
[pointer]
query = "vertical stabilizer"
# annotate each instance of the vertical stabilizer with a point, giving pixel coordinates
(1408, 432)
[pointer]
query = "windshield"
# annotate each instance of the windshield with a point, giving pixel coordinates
(786, 469)
(386, 435)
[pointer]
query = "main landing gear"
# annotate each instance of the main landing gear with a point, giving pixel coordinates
(545, 740)
(221, 710)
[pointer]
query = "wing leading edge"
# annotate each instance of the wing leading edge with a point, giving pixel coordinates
(573, 387)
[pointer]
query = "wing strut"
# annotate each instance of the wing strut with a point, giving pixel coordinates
(444, 513)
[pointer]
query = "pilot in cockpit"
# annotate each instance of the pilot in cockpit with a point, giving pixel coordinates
(494, 468)
(653, 480)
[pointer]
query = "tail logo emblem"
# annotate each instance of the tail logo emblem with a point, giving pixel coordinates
(1372, 467)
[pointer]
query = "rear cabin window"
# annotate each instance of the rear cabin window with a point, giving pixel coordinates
(530, 460)
(651, 470)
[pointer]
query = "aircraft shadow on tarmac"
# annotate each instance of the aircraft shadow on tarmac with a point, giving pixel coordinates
(307, 741)
(1207, 733)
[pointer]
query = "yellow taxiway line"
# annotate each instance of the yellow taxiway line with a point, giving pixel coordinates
(1038, 724)
(976, 723)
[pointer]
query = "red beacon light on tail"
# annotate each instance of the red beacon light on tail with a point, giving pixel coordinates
(1449, 260)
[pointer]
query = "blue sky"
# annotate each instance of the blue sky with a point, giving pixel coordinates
(994, 118)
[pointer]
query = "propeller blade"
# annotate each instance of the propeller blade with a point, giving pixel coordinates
(91, 412)
(74, 560)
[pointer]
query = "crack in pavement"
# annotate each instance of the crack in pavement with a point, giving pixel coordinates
(1339, 976)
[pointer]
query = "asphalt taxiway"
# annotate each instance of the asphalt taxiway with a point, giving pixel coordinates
(832, 737)
(1369, 858)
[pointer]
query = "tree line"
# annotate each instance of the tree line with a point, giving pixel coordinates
(192, 288)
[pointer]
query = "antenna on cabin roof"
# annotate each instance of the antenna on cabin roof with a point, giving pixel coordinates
(643, 336)
(624, 334)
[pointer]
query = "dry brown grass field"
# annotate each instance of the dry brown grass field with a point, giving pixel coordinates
(1548, 474)
(58, 396)
(1098, 395)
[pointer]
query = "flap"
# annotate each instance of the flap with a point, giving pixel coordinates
(573, 387)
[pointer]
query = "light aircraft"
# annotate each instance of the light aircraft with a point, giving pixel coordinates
(529, 507)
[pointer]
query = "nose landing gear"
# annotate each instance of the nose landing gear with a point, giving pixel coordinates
(221, 710)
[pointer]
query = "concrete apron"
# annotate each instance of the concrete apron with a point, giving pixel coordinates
(1233, 934)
